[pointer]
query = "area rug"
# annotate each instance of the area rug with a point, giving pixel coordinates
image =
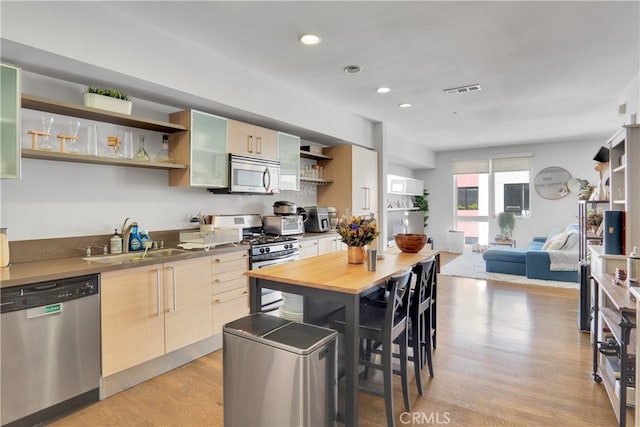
(471, 265)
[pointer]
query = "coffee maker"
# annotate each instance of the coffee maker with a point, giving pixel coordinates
(317, 219)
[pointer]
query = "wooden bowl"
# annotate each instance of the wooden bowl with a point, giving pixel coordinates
(411, 243)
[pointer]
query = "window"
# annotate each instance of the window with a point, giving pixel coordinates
(516, 198)
(467, 198)
(483, 188)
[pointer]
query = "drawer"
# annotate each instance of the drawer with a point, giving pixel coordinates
(308, 248)
(218, 286)
(222, 265)
(229, 306)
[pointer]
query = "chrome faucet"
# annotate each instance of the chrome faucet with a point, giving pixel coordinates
(125, 231)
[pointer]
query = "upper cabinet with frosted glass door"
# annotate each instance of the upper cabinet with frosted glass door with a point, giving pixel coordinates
(10, 121)
(253, 141)
(203, 148)
(289, 155)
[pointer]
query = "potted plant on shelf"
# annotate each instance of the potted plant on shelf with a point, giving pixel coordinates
(422, 204)
(107, 99)
(506, 222)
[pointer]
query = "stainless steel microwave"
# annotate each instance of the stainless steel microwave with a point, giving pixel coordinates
(252, 175)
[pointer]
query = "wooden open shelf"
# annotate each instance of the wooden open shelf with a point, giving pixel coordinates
(32, 102)
(309, 155)
(80, 158)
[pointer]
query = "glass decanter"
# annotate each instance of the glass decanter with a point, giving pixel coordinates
(141, 154)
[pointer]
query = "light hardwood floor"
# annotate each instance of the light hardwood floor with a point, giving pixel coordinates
(507, 355)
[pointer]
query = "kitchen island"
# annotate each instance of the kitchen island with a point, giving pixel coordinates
(330, 278)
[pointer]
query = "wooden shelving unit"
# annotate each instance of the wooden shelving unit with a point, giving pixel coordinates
(614, 313)
(309, 155)
(64, 108)
(80, 158)
(32, 102)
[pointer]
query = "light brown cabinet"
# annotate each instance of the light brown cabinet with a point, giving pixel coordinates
(249, 140)
(152, 310)
(354, 172)
(229, 290)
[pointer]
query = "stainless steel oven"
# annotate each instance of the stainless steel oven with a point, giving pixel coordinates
(271, 250)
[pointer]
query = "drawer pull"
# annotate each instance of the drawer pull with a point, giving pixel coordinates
(222, 301)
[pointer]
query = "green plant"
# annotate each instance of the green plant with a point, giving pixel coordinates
(108, 92)
(422, 203)
(506, 222)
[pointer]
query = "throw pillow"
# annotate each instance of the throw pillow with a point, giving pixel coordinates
(555, 242)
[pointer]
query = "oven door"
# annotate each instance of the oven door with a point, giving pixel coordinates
(272, 300)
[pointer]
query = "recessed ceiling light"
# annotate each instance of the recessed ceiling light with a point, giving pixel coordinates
(352, 69)
(383, 90)
(310, 39)
(463, 89)
(404, 105)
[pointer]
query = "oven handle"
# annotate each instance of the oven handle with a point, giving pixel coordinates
(281, 260)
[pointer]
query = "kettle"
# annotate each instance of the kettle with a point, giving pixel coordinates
(302, 213)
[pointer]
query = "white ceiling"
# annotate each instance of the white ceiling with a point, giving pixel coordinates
(549, 70)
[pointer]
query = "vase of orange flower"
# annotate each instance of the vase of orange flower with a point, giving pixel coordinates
(356, 233)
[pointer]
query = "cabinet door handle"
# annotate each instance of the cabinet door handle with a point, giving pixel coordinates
(258, 145)
(222, 301)
(173, 273)
(367, 198)
(158, 291)
(250, 143)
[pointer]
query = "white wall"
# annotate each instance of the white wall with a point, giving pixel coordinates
(576, 157)
(60, 199)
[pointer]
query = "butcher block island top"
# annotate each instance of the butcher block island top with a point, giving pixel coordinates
(332, 271)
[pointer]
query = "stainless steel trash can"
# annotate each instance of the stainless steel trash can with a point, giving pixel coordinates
(279, 373)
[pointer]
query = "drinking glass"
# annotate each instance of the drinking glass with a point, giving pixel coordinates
(92, 140)
(72, 144)
(127, 143)
(46, 122)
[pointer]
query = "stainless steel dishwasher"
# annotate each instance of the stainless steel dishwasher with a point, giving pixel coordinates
(50, 348)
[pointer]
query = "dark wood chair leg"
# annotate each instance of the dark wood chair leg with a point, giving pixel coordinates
(387, 375)
(404, 374)
(416, 339)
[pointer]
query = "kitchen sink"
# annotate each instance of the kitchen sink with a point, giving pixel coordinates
(135, 256)
(157, 253)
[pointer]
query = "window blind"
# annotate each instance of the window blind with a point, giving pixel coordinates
(510, 164)
(470, 166)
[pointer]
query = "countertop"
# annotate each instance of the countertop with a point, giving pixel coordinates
(342, 276)
(53, 269)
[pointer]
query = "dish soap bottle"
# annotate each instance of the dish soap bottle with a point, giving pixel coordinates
(115, 243)
(135, 244)
(146, 240)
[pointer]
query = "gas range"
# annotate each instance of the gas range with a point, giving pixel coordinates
(265, 247)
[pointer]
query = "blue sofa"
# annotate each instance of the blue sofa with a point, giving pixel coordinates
(533, 262)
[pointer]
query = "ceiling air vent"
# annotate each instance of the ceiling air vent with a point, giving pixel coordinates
(463, 89)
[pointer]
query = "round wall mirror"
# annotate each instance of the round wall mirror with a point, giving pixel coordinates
(551, 182)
